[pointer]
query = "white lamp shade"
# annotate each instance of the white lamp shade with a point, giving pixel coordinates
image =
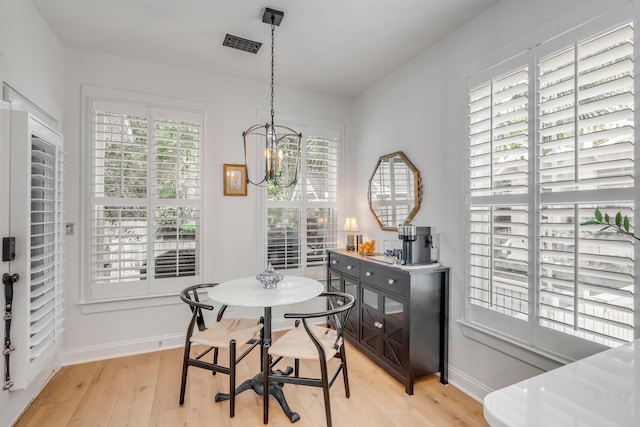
(350, 224)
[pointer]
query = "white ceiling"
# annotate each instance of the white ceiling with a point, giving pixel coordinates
(333, 46)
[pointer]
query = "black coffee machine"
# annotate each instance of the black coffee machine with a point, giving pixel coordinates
(416, 244)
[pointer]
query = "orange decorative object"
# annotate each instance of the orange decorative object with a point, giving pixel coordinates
(367, 248)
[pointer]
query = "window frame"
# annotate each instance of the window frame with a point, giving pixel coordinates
(151, 291)
(306, 127)
(528, 340)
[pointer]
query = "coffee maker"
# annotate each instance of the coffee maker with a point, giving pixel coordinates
(416, 244)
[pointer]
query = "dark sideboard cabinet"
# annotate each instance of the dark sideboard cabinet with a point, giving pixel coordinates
(401, 315)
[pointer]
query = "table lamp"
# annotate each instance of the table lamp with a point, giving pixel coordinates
(350, 226)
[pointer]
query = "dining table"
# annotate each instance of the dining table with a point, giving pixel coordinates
(249, 292)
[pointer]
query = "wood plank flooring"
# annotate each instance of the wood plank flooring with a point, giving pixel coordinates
(143, 390)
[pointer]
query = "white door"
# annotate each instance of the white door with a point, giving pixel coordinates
(5, 164)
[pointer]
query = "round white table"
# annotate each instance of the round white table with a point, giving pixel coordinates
(248, 292)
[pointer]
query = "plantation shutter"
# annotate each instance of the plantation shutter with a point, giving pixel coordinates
(120, 174)
(177, 193)
(498, 177)
(146, 198)
(302, 220)
(586, 152)
(283, 237)
(581, 282)
(321, 187)
(46, 247)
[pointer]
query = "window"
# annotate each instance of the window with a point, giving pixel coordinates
(302, 220)
(551, 137)
(145, 198)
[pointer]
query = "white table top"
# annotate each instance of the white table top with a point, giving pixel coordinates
(598, 391)
(248, 292)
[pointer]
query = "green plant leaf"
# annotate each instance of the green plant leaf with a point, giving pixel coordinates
(606, 218)
(625, 223)
(619, 219)
(598, 215)
(591, 222)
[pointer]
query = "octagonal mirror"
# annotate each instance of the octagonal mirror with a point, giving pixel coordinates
(395, 191)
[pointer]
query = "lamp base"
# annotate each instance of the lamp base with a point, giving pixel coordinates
(351, 245)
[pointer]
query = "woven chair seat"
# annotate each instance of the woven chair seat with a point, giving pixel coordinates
(296, 343)
(220, 334)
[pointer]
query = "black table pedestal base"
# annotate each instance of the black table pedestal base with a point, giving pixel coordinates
(256, 384)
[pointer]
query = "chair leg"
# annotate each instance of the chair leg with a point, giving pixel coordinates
(215, 359)
(185, 366)
(296, 365)
(232, 378)
(345, 374)
(325, 391)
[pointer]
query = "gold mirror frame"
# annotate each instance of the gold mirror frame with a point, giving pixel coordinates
(385, 196)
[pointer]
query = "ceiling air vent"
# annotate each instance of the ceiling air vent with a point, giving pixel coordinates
(241, 44)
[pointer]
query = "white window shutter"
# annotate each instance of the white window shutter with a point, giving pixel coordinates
(586, 150)
(177, 180)
(120, 213)
(302, 220)
(583, 283)
(498, 172)
(146, 198)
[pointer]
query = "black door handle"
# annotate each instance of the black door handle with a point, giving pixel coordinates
(9, 279)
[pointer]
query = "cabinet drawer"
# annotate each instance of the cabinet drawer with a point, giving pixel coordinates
(344, 264)
(388, 279)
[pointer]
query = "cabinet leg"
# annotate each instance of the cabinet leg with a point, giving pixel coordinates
(408, 387)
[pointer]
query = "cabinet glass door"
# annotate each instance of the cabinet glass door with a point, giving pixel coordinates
(333, 284)
(393, 340)
(370, 319)
(351, 327)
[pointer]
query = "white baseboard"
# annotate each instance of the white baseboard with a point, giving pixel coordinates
(468, 385)
(119, 349)
(146, 345)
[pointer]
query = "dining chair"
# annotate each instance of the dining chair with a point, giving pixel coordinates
(316, 342)
(223, 334)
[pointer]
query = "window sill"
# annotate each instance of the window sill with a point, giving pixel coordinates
(533, 356)
(127, 303)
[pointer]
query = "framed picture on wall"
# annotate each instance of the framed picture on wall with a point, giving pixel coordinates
(235, 180)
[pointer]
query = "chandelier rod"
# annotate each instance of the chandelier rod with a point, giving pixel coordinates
(273, 27)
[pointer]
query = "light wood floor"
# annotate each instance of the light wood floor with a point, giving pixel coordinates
(143, 390)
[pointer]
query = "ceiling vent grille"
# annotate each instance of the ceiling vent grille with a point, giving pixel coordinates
(241, 44)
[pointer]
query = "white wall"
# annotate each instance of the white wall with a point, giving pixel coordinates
(421, 110)
(31, 62)
(230, 223)
(32, 55)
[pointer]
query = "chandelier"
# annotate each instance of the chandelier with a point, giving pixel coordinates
(280, 141)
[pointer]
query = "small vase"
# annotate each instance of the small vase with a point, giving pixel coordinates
(270, 277)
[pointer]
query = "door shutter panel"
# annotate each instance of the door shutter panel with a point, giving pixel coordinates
(37, 221)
